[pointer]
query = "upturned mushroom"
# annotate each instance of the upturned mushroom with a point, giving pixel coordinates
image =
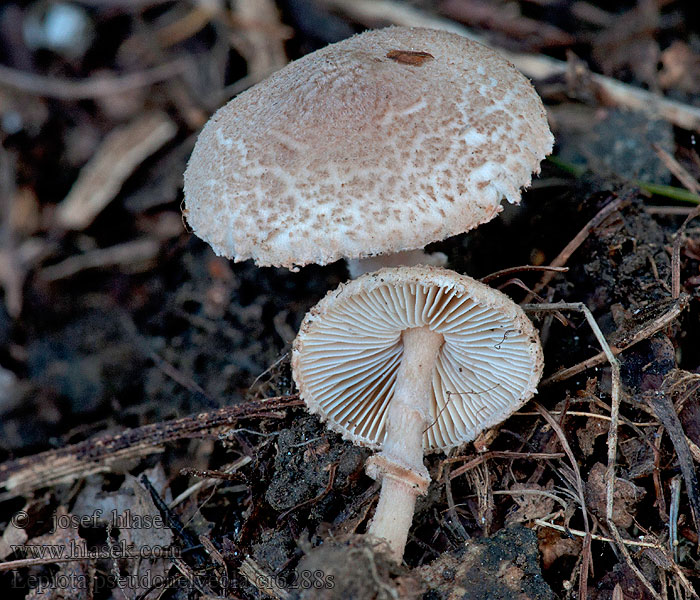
(378, 144)
(408, 360)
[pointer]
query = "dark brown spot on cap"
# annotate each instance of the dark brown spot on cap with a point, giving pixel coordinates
(408, 57)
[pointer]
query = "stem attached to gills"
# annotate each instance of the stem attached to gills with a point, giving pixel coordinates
(399, 465)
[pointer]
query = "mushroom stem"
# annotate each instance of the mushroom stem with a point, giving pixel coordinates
(400, 464)
(406, 258)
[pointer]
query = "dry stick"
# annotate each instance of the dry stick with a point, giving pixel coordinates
(476, 461)
(260, 35)
(678, 572)
(669, 210)
(649, 329)
(676, 254)
(497, 17)
(373, 12)
(451, 510)
(97, 86)
(186, 26)
(612, 432)
(563, 257)
(209, 478)
(189, 574)
(173, 522)
(262, 580)
(532, 492)
(634, 426)
(513, 270)
(127, 253)
(578, 413)
(662, 403)
(673, 515)
(99, 452)
(548, 320)
(691, 385)
(586, 551)
(656, 475)
(117, 157)
(521, 284)
(677, 170)
(595, 536)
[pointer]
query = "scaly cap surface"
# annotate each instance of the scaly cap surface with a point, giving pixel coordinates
(383, 142)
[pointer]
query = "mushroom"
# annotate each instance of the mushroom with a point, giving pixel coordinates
(378, 144)
(413, 359)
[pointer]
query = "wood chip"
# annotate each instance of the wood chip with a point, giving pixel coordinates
(142, 250)
(100, 180)
(260, 36)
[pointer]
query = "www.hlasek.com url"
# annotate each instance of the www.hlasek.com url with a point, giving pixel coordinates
(77, 551)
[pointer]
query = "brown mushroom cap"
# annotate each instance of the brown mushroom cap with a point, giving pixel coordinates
(348, 350)
(383, 142)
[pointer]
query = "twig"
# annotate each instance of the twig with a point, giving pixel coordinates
(269, 369)
(173, 521)
(677, 170)
(533, 492)
(189, 574)
(115, 160)
(499, 17)
(656, 474)
(612, 432)
(513, 270)
(676, 254)
(563, 257)
(480, 481)
(586, 551)
(646, 331)
(476, 461)
(451, 509)
(669, 210)
(127, 253)
(262, 44)
(98, 86)
(261, 580)
(99, 453)
(521, 284)
(588, 415)
(673, 515)
(188, 25)
(23, 563)
(660, 400)
(594, 536)
(195, 487)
